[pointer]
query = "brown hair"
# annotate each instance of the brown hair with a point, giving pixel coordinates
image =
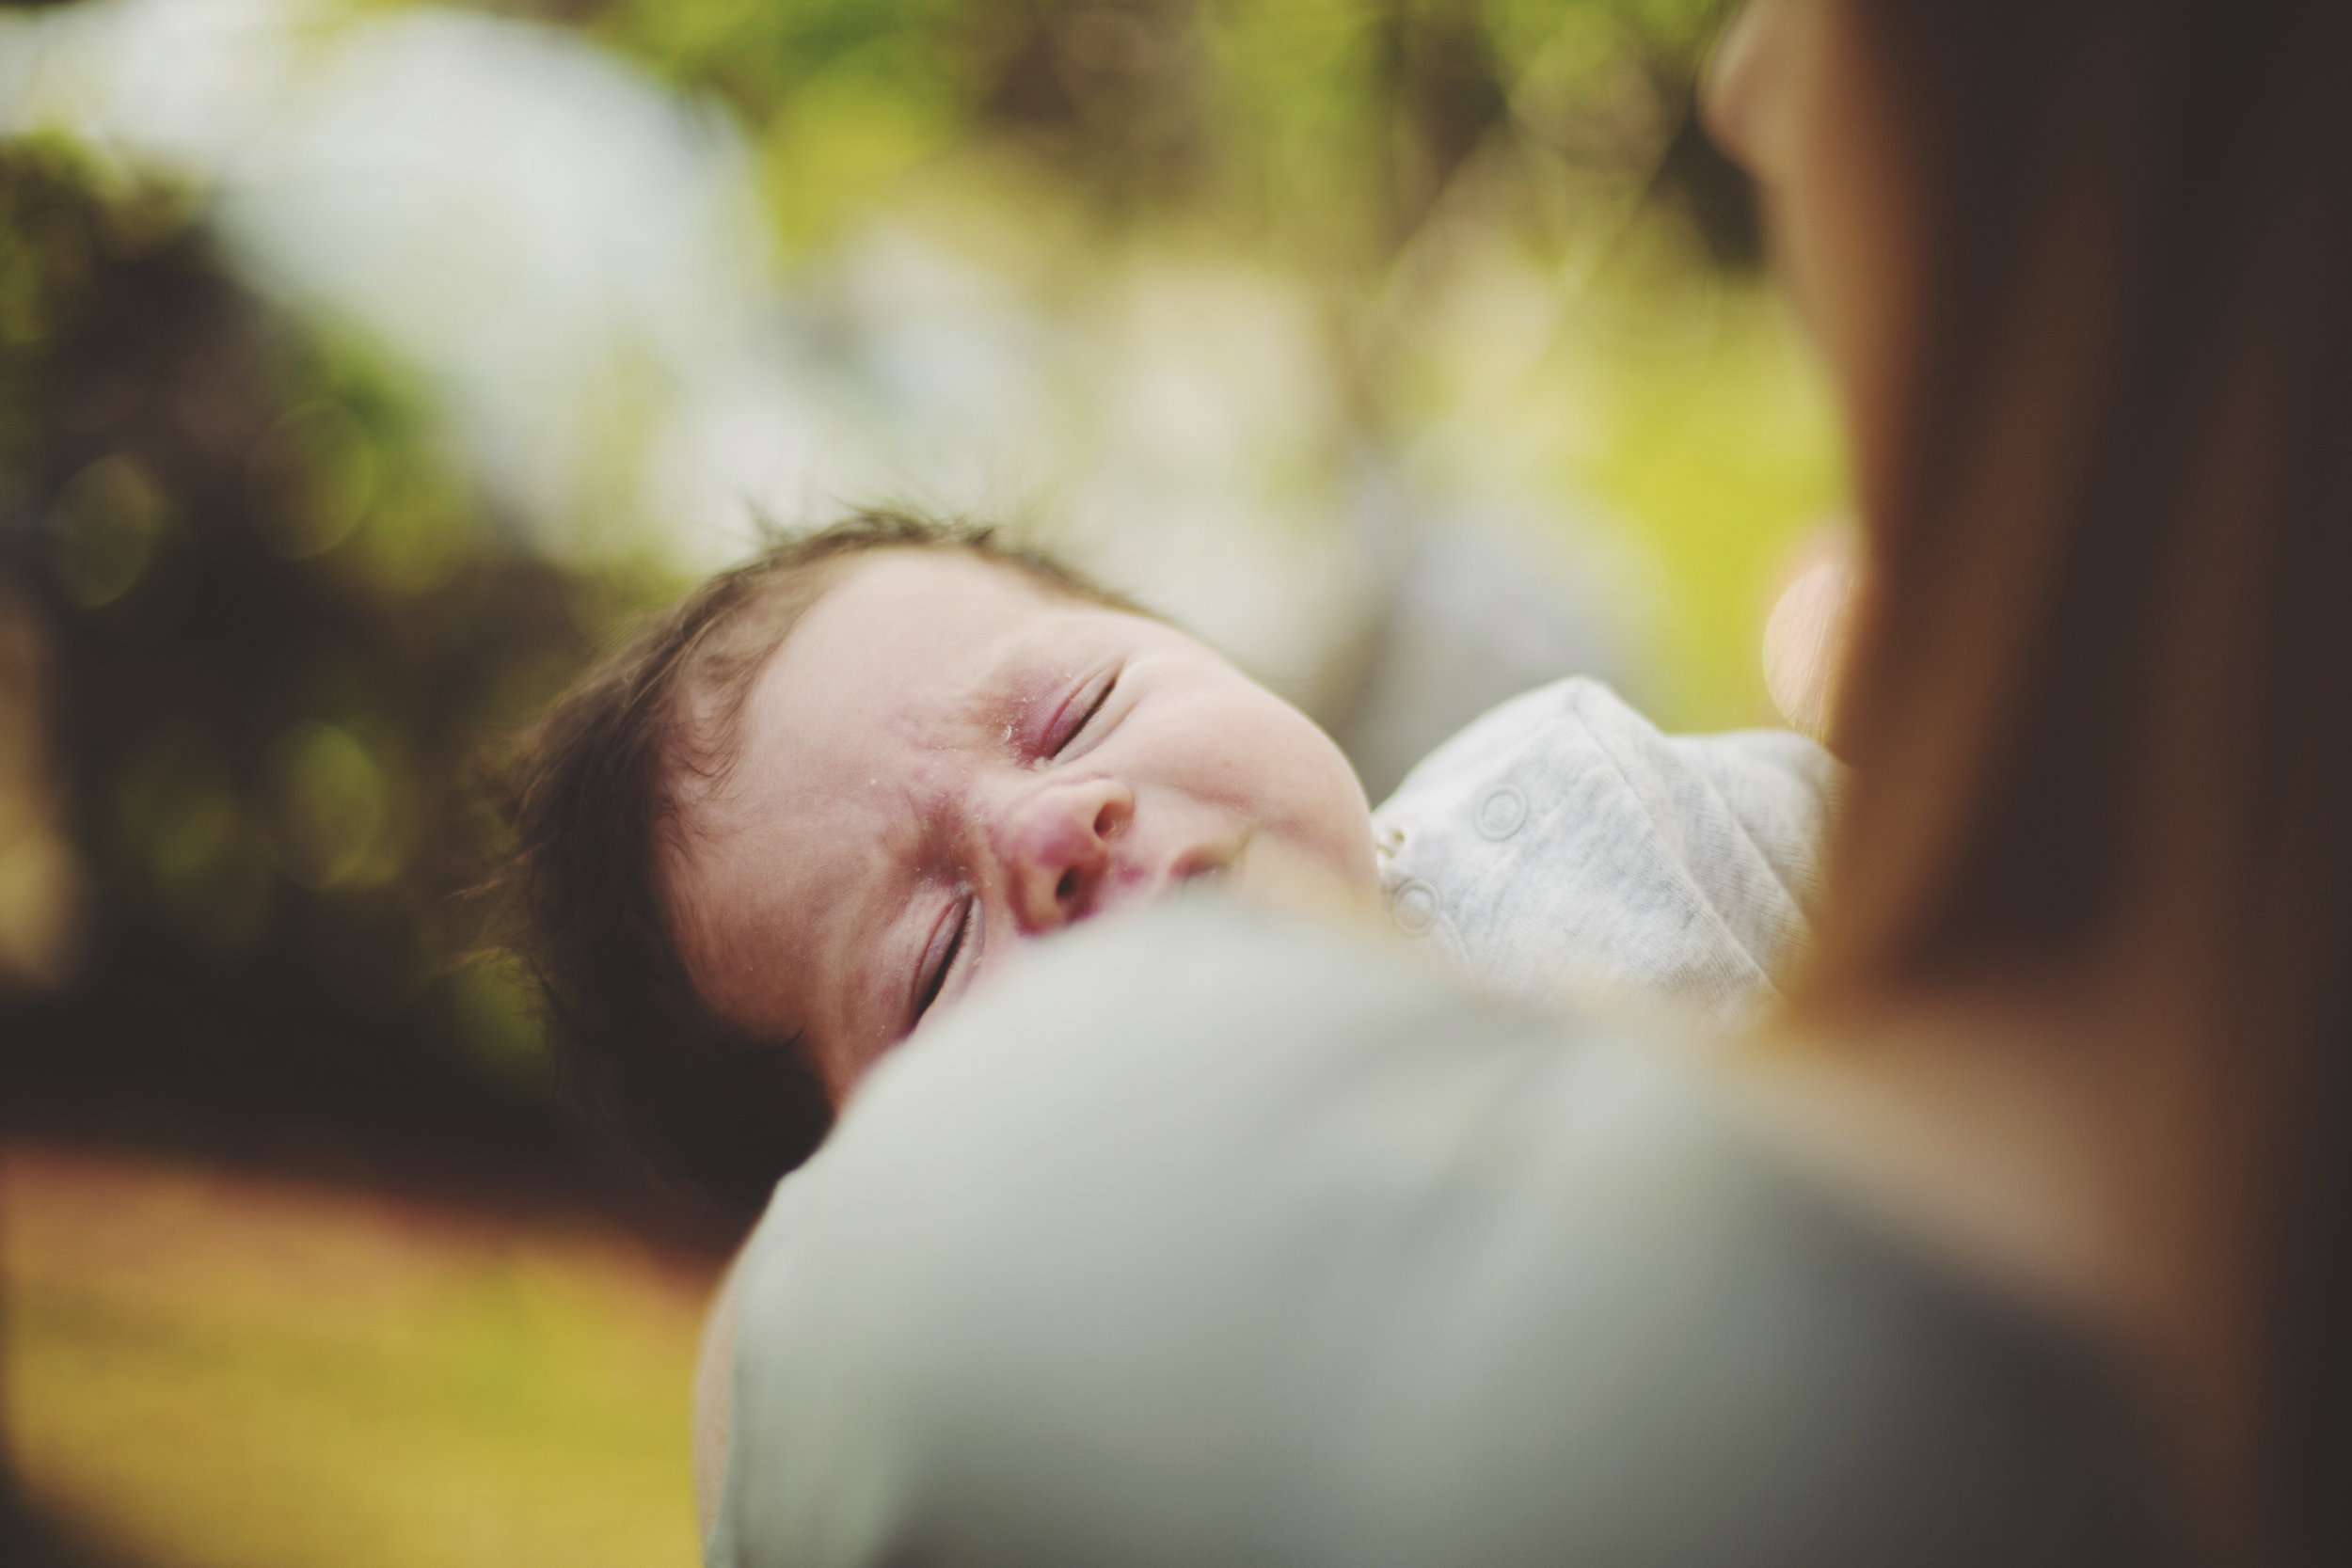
(591, 800)
(2101, 698)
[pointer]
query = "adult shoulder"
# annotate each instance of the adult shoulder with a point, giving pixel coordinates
(1210, 1237)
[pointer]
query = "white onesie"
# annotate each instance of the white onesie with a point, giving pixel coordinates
(1561, 848)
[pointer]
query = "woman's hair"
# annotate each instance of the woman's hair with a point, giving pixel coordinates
(2100, 703)
(591, 803)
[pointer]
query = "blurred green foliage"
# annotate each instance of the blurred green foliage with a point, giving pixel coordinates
(1325, 127)
(1380, 152)
(285, 620)
(283, 626)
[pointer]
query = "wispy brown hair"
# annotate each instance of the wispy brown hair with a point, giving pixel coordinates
(592, 802)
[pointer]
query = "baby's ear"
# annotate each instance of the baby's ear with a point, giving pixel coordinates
(1806, 640)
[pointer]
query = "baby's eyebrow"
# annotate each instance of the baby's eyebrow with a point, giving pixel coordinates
(998, 698)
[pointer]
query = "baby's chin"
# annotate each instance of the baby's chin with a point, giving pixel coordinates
(1324, 882)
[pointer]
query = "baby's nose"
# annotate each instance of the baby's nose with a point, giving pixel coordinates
(1056, 850)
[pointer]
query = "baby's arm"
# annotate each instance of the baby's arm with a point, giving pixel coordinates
(1562, 847)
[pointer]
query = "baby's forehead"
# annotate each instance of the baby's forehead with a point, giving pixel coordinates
(907, 621)
(940, 628)
(904, 655)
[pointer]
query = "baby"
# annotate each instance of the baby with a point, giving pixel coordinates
(833, 790)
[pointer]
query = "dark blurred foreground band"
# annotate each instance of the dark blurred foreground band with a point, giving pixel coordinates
(1328, 1261)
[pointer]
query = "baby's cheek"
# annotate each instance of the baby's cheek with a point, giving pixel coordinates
(1265, 759)
(1328, 813)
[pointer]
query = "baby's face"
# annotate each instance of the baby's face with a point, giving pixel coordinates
(946, 761)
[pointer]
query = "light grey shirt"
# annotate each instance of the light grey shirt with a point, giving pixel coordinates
(1211, 1239)
(1560, 848)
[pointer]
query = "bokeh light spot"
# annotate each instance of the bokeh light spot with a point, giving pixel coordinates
(180, 815)
(108, 521)
(327, 470)
(330, 805)
(497, 1011)
(40, 892)
(415, 536)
